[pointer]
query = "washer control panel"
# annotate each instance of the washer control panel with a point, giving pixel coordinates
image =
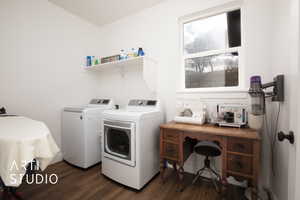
(100, 101)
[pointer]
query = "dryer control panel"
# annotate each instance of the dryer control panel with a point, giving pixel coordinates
(142, 102)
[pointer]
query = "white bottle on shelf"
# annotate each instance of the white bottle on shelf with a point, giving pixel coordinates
(123, 55)
(93, 60)
(133, 53)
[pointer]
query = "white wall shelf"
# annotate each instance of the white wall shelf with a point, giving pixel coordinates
(130, 61)
(147, 64)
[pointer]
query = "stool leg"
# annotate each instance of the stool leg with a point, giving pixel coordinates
(213, 180)
(217, 175)
(198, 175)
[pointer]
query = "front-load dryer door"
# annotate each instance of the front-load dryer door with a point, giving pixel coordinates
(119, 141)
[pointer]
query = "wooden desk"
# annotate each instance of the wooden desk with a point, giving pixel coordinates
(240, 148)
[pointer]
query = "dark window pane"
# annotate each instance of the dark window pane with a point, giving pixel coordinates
(219, 70)
(213, 33)
(234, 28)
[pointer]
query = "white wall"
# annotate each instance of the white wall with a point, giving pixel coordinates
(156, 30)
(285, 54)
(42, 52)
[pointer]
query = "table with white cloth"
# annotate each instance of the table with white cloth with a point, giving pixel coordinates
(23, 140)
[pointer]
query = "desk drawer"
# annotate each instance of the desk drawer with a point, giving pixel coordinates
(171, 135)
(240, 145)
(170, 151)
(241, 164)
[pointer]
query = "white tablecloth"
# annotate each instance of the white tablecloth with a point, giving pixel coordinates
(22, 140)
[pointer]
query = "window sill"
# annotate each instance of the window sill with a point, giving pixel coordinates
(215, 93)
(214, 90)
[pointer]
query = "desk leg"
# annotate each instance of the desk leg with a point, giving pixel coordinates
(254, 193)
(223, 181)
(256, 167)
(181, 178)
(163, 166)
(174, 166)
(224, 159)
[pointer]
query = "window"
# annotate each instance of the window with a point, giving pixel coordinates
(211, 51)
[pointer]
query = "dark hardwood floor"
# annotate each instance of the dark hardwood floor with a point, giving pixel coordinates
(78, 184)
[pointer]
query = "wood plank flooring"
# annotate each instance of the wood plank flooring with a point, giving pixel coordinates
(78, 184)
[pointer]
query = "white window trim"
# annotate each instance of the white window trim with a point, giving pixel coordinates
(238, 4)
(212, 52)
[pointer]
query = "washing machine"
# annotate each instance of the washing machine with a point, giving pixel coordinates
(81, 132)
(131, 143)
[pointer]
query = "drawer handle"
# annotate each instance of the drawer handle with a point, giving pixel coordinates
(170, 135)
(170, 149)
(240, 146)
(171, 152)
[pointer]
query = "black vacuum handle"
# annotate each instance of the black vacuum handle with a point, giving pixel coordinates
(290, 137)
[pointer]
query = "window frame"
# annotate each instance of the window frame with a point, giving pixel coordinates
(202, 15)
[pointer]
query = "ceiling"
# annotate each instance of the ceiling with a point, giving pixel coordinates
(102, 12)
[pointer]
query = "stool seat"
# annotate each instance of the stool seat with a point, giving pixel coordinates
(207, 148)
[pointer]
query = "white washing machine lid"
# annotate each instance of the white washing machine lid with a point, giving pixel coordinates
(85, 108)
(75, 108)
(101, 104)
